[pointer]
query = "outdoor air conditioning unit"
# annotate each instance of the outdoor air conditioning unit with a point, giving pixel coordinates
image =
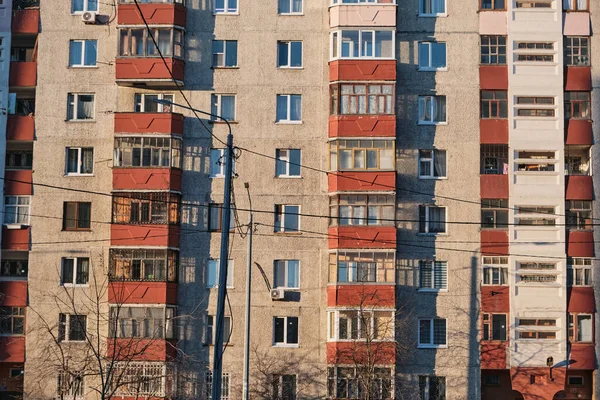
(88, 17)
(277, 294)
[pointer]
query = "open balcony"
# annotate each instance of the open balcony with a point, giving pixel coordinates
(155, 12)
(23, 74)
(20, 128)
(578, 182)
(16, 239)
(494, 171)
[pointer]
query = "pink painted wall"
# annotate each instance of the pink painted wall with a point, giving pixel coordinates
(576, 24)
(492, 23)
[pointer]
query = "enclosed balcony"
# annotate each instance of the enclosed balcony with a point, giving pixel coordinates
(372, 14)
(155, 12)
(494, 171)
(578, 182)
(149, 122)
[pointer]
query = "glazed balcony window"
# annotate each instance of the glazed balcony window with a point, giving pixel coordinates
(144, 102)
(534, 4)
(579, 271)
(493, 50)
(576, 5)
(16, 210)
(361, 210)
(362, 44)
(577, 51)
(19, 159)
(542, 329)
(136, 42)
(537, 273)
(14, 268)
(495, 270)
(493, 5)
(581, 327)
(577, 160)
(363, 325)
(362, 99)
(362, 266)
(536, 161)
(494, 159)
(529, 106)
(534, 51)
(146, 208)
(142, 322)
(348, 383)
(535, 215)
(494, 327)
(12, 320)
(494, 213)
(361, 155)
(579, 215)
(494, 104)
(147, 152)
(143, 265)
(577, 105)
(20, 106)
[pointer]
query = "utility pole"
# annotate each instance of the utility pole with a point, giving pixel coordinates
(245, 388)
(217, 374)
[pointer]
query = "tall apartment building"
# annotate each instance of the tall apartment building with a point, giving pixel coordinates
(420, 174)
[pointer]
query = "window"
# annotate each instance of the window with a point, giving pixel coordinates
(432, 56)
(432, 387)
(83, 53)
(225, 385)
(362, 99)
(575, 5)
(432, 110)
(145, 152)
(14, 268)
(577, 50)
(579, 271)
(494, 213)
(577, 105)
(147, 265)
(491, 380)
(215, 217)
(283, 387)
(212, 275)
(537, 272)
(495, 270)
(346, 155)
(361, 210)
(494, 326)
(142, 322)
(285, 331)
(575, 381)
(287, 163)
(542, 106)
(159, 208)
(70, 385)
(289, 108)
(581, 328)
(287, 218)
(12, 320)
(493, 48)
(432, 8)
(432, 164)
(289, 54)
(362, 44)
(579, 214)
(80, 161)
(433, 275)
(76, 216)
(226, 7)
(144, 102)
(432, 219)
(211, 329)
(534, 4)
(528, 328)
(137, 42)
(494, 159)
(19, 159)
(71, 327)
(432, 332)
(224, 53)
(534, 51)
(80, 107)
(17, 373)
(536, 161)
(81, 6)
(349, 383)
(287, 274)
(494, 104)
(223, 105)
(16, 210)
(371, 325)
(492, 5)
(362, 266)
(535, 215)
(75, 271)
(289, 7)
(146, 379)
(217, 163)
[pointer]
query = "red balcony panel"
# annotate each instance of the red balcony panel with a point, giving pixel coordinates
(26, 22)
(18, 182)
(362, 126)
(146, 179)
(494, 242)
(578, 78)
(493, 77)
(493, 186)
(144, 235)
(580, 244)
(14, 293)
(496, 392)
(493, 131)
(352, 180)
(578, 131)
(582, 356)
(10, 384)
(22, 74)
(359, 237)
(154, 13)
(19, 127)
(369, 295)
(132, 349)
(149, 123)
(355, 352)
(142, 292)
(362, 70)
(12, 349)
(580, 299)
(579, 187)
(493, 355)
(16, 239)
(146, 70)
(495, 299)
(543, 387)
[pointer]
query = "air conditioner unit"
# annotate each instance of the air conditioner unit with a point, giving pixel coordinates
(88, 17)
(277, 294)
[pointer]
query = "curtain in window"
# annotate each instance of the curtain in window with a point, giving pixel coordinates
(295, 107)
(85, 106)
(584, 331)
(87, 161)
(440, 109)
(293, 270)
(83, 267)
(297, 6)
(569, 4)
(582, 4)
(164, 41)
(425, 109)
(437, 219)
(358, 217)
(440, 163)
(137, 42)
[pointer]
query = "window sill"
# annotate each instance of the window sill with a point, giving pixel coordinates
(70, 285)
(431, 123)
(286, 346)
(83, 67)
(432, 69)
(288, 233)
(360, 283)
(287, 289)
(15, 226)
(289, 68)
(432, 234)
(82, 175)
(292, 14)
(80, 121)
(224, 67)
(444, 15)
(362, 58)
(226, 13)
(287, 177)
(221, 122)
(426, 290)
(433, 178)
(216, 287)
(432, 346)
(76, 230)
(288, 122)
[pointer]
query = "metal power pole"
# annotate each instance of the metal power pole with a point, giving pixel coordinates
(225, 223)
(248, 296)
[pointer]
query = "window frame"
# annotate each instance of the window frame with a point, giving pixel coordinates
(582, 264)
(489, 264)
(367, 317)
(287, 163)
(66, 330)
(481, 8)
(216, 100)
(210, 331)
(359, 208)
(226, 10)
(278, 389)
(576, 6)
(80, 161)
(17, 207)
(434, 271)
(430, 47)
(494, 107)
(288, 102)
(216, 262)
(433, 14)
(356, 101)
(425, 229)
(75, 273)
(380, 146)
(176, 47)
(574, 327)
(73, 107)
(220, 152)
(291, 7)
(431, 161)
(139, 100)
(286, 268)
(70, 385)
(285, 331)
(427, 388)
(349, 261)
(85, 7)
(225, 385)
(336, 44)
(494, 50)
(83, 53)
(16, 318)
(494, 206)
(124, 146)
(430, 344)
(20, 266)
(433, 101)
(288, 44)
(134, 265)
(487, 321)
(225, 53)
(120, 318)
(578, 105)
(215, 222)
(280, 215)
(573, 51)
(78, 218)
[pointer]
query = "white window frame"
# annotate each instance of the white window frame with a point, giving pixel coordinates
(74, 104)
(431, 345)
(301, 12)
(287, 119)
(427, 221)
(336, 51)
(432, 288)
(430, 57)
(286, 159)
(285, 331)
(572, 268)
(289, 53)
(211, 330)
(221, 156)
(83, 53)
(286, 274)
(488, 268)
(85, 7)
(225, 385)
(76, 261)
(431, 161)
(427, 385)
(333, 332)
(433, 102)
(280, 215)
(226, 10)
(79, 161)
(65, 387)
(67, 328)
(148, 372)
(141, 102)
(279, 379)
(433, 14)
(230, 266)
(17, 205)
(224, 53)
(216, 100)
